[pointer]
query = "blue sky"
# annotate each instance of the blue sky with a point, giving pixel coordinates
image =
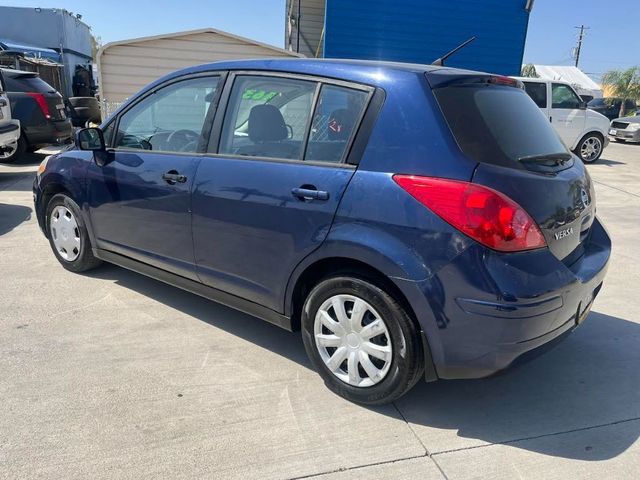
(550, 39)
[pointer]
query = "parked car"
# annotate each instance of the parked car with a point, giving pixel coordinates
(9, 128)
(582, 130)
(413, 221)
(626, 129)
(39, 108)
(610, 106)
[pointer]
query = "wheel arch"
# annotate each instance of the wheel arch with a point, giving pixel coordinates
(586, 132)
(335, 265)
(327, 266)
(50, 186)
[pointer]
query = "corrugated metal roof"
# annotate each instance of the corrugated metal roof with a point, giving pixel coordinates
(569, 74)
(126, 66)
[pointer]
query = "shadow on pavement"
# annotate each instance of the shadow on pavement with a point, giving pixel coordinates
(26, 159)
(11, 216)
(590, 379)
(607, 162)
(257, 331)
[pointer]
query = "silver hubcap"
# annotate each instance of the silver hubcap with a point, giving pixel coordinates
(353, 340)
(590, 148)
(9, 150)
(65, 233)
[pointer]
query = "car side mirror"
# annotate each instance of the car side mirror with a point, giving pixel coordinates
(92, 139)
(583, 105)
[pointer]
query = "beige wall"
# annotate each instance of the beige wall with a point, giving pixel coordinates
(126, 68)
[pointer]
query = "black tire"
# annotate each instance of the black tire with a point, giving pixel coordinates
(407, 360)
(84, 102)
(587, 138)
(85, 259)
(18, 153)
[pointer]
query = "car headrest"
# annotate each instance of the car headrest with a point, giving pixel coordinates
(266, 124)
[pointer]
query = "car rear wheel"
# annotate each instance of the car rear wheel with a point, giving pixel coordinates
(13, 151)
(590, 147)
(68, 235)
(362, 342)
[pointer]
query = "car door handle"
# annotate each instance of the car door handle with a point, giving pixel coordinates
(172, 177)
(308, 194)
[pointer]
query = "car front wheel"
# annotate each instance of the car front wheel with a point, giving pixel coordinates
(68, 235)
(361, 340)
(590, 147)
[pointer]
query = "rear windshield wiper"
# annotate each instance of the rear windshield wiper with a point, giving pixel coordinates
(548, 159)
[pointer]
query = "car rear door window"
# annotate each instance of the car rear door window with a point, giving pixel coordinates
(267, 117)
(538, 93)
(563, 96)
(170, 119)
(335, 120)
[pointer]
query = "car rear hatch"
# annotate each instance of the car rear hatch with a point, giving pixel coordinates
(519, 154)
(49, 101)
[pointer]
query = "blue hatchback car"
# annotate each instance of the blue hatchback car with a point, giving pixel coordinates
(413, 221)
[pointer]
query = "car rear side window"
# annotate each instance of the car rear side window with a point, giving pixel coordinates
(27, 83)
(267, 117)
(337, 114)
(497, 124)
(538, 93)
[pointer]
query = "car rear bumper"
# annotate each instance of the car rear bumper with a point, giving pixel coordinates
(628, 135)
(9, 133)
(52, 133)
(490, 309)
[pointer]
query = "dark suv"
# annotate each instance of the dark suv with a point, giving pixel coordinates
(40, 109)
(610, 106)
(414, 221)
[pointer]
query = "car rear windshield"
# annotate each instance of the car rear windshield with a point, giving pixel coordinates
(27, 83)
(499, 124)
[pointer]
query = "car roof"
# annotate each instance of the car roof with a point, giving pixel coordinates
(371, 72)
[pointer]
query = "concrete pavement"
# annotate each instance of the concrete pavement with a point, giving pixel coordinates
(114, 375)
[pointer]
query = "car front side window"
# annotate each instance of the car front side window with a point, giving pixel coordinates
(563, 96)
(170, 119)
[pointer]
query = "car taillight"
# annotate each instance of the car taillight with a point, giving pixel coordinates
(487, 216)
(42, 103)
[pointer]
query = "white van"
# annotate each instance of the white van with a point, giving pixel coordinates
(582, 130)
(9, 129)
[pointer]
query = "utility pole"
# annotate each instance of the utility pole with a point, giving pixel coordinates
(579, 46)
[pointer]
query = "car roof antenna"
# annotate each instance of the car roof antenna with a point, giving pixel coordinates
(440, 61)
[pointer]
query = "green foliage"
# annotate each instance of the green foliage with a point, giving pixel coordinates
(624, 84)
(529, 70)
